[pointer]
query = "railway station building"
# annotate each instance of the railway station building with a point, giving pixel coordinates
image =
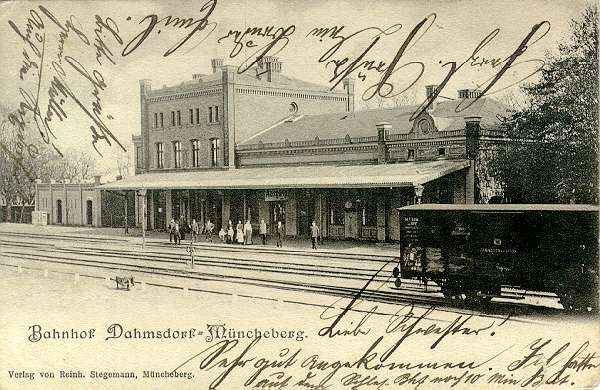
(259, 145)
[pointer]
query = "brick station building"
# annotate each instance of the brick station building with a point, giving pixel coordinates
(260, 145)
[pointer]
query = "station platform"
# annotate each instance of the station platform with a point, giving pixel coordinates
(290, 244)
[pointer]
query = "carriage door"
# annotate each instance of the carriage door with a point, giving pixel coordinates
(89, 212)
(59, 211)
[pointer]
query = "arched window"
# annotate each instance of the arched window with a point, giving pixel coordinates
(177, 153)
(214, 152)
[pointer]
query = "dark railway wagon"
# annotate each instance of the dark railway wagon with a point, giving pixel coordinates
(470, 251)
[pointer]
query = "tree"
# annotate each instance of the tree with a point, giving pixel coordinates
(552, 155)
(24, 158)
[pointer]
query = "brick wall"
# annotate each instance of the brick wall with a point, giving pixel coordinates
(187, 131)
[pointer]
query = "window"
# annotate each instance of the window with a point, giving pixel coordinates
(197, 116)
(155, 120)
(195, 153)
(162, 122)
(213, 114)
(411, 154)
(191, 116)
(172, 118)
(336, 212)
(139, 154)
(159, 155)
(178, 117)
(369, 212)
(214, 152)
(177, 153)
(441, 152)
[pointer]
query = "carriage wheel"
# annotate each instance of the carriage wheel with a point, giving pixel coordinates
(573, 302)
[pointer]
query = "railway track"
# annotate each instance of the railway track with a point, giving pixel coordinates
(253, 280)
(237, 268)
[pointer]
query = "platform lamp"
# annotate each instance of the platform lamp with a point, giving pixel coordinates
(419, 192)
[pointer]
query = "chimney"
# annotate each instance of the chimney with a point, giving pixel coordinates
(145, 86)
(472, 127)
(217, 64)
(198, 76)
(97, 179)
(430, 91)
(269, 67)
(468, 93)
(383, 130)
(349, 88)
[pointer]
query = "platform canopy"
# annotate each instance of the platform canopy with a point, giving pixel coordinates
(312, 176)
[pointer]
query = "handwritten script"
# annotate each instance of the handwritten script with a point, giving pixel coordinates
(60, 83)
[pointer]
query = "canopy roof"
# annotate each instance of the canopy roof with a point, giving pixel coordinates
(312, 176)
(501, 207)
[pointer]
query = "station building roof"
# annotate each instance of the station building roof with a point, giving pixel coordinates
(308, 176)
(362, 123)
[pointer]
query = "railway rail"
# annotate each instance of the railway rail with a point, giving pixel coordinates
(239, 267)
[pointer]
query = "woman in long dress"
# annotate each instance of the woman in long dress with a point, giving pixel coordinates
(248, 233)
(240, 233)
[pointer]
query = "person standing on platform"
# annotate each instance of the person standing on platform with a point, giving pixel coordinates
(280, 234)
(195, 230)
(183, 227)
(239, 233)
(177, 234)
(262, 230)
(171, 229)
(209, 230)
(248, 233)
(314, 234)
(230, 233)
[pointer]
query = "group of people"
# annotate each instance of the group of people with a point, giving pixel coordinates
(177, 230)
(242, 234)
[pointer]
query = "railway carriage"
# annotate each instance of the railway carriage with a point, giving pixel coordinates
(471, 251)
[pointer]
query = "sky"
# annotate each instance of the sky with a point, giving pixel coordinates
(69, 36)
